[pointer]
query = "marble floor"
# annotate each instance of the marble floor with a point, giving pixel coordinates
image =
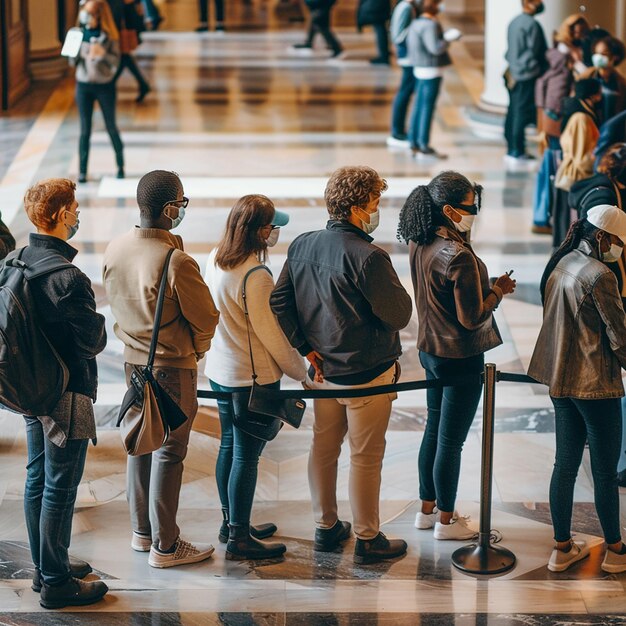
(238, 113)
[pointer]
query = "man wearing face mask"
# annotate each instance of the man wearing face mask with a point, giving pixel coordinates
(526, 56)
(57, 443)
(133, 264)
(340, 303)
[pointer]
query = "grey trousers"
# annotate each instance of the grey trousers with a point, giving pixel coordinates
(154, 480)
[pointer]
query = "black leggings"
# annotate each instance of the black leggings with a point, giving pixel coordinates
(86, 95)
(127, 60)
(203, 6)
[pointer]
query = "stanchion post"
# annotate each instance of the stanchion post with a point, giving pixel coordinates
(482, 557)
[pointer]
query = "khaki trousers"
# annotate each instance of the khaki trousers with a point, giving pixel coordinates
(153, 481)
(365, 421)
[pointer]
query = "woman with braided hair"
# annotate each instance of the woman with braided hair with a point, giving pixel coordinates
(580, 351)
(455, 304)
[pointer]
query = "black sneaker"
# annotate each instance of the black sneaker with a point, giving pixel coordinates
(262, 531)
(379, 61)
(72, 593)
(430, 152)
(78, 569)
(329, 539)
(378, 549)
(203, 28)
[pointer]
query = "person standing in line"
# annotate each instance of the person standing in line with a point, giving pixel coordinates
(252, 227)
(7, 241)
(376, 13)
(203, 9)
(127, 17)
(611, 132)
(340, 303)
(57, 443)
(132, 268)
(580, 352)
(608, 54)
(96, 65)
(403, 14)
(526, 56)
(320, 23)
(455, 305)
(427, 51)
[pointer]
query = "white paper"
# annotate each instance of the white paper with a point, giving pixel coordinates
(72, 43)
(452, 34)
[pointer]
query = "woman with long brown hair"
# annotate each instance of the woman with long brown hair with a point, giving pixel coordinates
(252, 226)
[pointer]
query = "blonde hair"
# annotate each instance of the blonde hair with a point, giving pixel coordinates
(105, 17)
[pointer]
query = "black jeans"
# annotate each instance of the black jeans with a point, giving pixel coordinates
(382, 40)
(203, 6)
(600, 423)
(87, 94)
(320, 23)
(237, 462)
(451, 411)
(127, 60)
(521, 113)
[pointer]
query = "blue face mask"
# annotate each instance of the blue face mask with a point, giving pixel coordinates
(72, 230)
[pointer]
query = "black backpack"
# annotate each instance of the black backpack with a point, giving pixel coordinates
(32, 375)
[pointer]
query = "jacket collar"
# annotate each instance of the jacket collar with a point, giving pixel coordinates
(37, 240)
(585, 247)
(447, 233)
(347, 227)
(175, 241)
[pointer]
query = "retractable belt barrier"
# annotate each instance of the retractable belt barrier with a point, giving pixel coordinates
(480, 557)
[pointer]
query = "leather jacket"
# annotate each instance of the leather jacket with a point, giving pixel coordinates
(582, 342)
(454, 299)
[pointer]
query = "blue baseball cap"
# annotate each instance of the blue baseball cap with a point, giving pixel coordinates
(280, 218)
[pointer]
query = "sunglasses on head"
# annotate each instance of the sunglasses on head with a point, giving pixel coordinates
(472, 209)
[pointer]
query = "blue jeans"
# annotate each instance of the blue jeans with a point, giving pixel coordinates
(237, 462)
(426, 94)
(544, 189)
(401, 102)
(600, 423)
(52, 478)
(451, 411)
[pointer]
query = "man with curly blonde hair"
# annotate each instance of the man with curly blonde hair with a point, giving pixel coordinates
(341, 304)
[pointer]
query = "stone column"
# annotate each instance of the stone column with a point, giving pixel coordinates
(498, 14)
(46, 62)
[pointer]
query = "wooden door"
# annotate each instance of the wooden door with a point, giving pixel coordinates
(14, 78)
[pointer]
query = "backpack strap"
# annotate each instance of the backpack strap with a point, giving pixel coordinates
(40, 267)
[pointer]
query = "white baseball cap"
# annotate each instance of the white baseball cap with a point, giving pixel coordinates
(610, 219)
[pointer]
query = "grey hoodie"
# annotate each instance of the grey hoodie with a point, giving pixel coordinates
(98, 70)
(426, 46)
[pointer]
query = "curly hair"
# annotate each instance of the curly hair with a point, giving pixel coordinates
(580, 230)
(242, 236)
(154, 190)
(616, 48)
(352, 186)
(422, 213)
(45, 199)
(613, 163)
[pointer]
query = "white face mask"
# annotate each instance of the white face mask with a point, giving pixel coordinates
(373, 223)
(466, 223)
(613, 255)
(272, 240)
(600, 61)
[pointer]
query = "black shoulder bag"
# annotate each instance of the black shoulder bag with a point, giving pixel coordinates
(261, 413)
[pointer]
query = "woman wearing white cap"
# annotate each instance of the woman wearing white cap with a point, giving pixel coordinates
(252, 226)
(579, 353)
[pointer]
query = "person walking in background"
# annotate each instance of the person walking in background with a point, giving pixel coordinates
(152, 15)
(7, 241)
(455, 303)
(130, 26)
(578, 142)
(203, 9)
(65, 306)
(238, 264)
(376, 13)
(526, 58)
(427, 52)
(341, 304)
(96, 65)
(403, 14)
(132, 268)
(580, 352)
(608, 54)
(320, 23)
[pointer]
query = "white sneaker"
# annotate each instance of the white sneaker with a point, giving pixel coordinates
(456, 530)
(560, 561)
(614, 563)
(141, 543)
(184, 554)
(394, 142)
(424, 521)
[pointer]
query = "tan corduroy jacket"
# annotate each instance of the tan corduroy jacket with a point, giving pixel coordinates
(131, 273)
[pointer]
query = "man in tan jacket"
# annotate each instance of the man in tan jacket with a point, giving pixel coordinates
(133, 264)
